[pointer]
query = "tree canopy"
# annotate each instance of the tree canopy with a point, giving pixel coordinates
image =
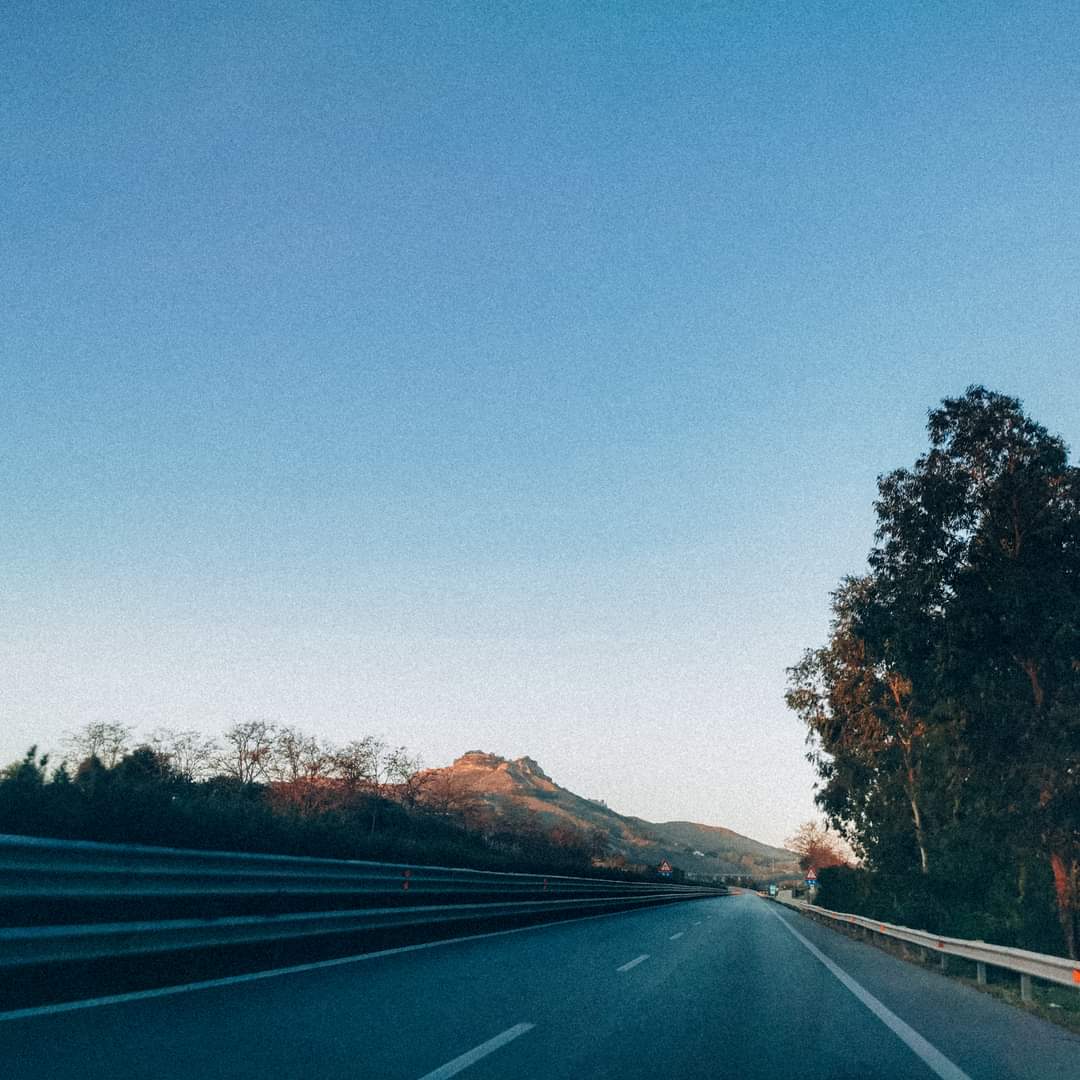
(943, 713)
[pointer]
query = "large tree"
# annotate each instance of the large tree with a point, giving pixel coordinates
(970, 621)
(868, 735)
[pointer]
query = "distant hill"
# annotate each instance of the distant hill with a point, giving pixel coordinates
(501, 789)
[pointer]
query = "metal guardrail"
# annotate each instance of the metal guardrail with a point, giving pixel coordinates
(1027, 965)
(127, 881)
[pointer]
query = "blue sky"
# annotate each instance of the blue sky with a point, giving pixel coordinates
(492, 376)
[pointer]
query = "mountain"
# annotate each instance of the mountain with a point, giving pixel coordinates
(498, 790)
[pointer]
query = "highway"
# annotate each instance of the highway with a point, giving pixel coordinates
(726, 987)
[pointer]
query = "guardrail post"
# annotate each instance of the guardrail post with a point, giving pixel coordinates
(980, 973)
(944, 962)
(1025, 989)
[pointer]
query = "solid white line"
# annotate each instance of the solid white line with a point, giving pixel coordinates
(634, 963)
(452, 1068)
(933, 1058)
(675, 937)
(271, 973)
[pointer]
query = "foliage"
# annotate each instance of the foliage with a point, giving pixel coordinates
(943, 713)
(819, 847)
(275, 789)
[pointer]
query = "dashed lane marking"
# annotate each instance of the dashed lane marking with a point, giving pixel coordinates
(273, 973)
(471, 1057)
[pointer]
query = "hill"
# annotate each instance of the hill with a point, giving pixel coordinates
(502, 792)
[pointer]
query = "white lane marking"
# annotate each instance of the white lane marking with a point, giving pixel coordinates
(675, 937)
(471, 1057)
(933, 1058)
(633, 963)
(698, 923)
(295, 969)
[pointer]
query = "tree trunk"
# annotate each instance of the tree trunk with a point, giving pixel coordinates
(1031, 670)
(924, 864)
(1067, 890)
(916, 816)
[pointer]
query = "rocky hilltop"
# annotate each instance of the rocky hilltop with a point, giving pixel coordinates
(500, 788)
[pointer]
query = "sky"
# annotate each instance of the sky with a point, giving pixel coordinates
(511, 377)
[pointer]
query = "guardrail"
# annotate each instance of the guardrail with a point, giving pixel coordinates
(1027, 965)
(63, 900)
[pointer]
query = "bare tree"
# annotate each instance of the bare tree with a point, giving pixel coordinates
(297, 756)
(447, 793)
(404, 776)
(369, 766)
(300, 771)
(356, 763)
(818, 847)
(248, 752)
(108, 741)
(188, 753)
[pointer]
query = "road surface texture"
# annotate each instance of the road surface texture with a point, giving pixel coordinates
(727, 987)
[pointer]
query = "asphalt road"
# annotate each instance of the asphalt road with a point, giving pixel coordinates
(728, 987)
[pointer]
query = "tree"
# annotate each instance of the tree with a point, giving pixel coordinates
(1001, 503)
(146, 767)
(867, 726)
(818, 847)
(300, 769)
(108, 741)
(248, 751)
(448, 794)
(29, 771)
(370, 767)
(188, 752)
(299, 757)
(951, 680)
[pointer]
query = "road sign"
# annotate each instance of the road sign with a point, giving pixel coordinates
(665, 869)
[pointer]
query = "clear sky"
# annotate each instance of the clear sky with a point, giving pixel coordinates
(501, 376)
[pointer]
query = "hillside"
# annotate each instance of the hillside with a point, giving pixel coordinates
(500, 790)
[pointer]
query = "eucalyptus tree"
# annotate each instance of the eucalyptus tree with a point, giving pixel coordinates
(952, 672)
(867, 735)
(1014, 620)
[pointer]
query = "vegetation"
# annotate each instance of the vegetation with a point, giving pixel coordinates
(819, 848)
(267, 788)
(943, 713)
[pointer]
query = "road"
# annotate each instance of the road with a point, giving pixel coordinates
(727, 987)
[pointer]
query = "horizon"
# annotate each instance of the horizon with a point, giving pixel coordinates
(516, 380)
